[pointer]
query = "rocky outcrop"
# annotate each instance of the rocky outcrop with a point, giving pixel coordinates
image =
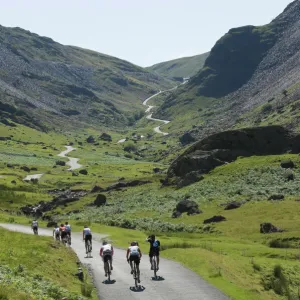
(120, 185)
(214, 219)
(97, 189)
(186, 139)
(100, 200)
(287, 164)
(227, 146)
(186, 206)
(62, 197)
(105, 137)
(276, 197)
(232, 205)
(90, 139)
(269, 228)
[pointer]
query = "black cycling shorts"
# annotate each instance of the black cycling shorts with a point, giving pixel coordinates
(135, 258)
(154, 252)
(88, 238)
(63, 234)
(107, 257)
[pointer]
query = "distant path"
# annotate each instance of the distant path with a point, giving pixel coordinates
(73, 162)
(150, 107)
(179, 283)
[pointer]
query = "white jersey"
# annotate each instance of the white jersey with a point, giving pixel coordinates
(107, 249)
(35, 223)
(134, 250)
(56, 230)
(87, 231)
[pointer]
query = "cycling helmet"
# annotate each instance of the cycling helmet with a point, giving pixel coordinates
(62, 225)
(85, 226)
(134, 243)
(104, 243)
(152, 236)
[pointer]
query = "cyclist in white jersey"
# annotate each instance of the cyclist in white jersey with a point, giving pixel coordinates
(56, 232)
(134, 254)
(87, 235)
(35, 225)
(107, 253)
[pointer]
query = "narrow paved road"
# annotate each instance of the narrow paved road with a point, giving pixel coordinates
(178, 282)
(73, 162)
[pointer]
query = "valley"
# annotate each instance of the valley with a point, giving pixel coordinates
(209, 164)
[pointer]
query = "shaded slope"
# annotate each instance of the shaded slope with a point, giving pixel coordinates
(181, 67)
(70, 81)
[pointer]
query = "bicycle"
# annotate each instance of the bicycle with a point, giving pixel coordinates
(108, 269)
(65, 240)
(69, 239)
(135, 275)
(88, 248)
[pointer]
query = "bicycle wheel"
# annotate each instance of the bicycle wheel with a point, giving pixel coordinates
(108, 269)
(135, 275)
(154, 264)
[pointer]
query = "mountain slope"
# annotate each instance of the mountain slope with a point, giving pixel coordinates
(40, 76)
(248, 68)
(181, 67)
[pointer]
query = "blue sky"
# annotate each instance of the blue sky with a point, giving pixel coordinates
(141, 31)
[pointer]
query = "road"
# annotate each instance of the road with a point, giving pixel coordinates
(178, 283)
(73, 162)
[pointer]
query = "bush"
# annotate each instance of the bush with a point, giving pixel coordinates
(277, 243)
(266, 108)
(130, 147)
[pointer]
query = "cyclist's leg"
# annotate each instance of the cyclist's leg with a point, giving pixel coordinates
(105, 264)
(110, 261)
(157, 259)
(151, 258)
(137, 261)
(131, 264)
(91, 241)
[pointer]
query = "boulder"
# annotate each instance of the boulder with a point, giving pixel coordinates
(176, 214)
(97, 189)
(187, 206)
(269, 228)
(83, 172)
(100, 200)
(60, 163)
(90, 139)
(105, 137)
(276, 197)
(25, 168)
(232, 205)
(287, 164)
(74, 174)
(156, 170)
(9, 165)
(13, 182)
(121, 184)
(51, 224)
(33, 169)
(214, 219)
(186, 139)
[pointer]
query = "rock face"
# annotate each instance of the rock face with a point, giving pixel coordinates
(186, 206)
(97, 189)
(121, 184)
(83, 172)
(186, 139)
(269, 228)
(100, 200)
(214, 219)
(105, 137)
(225, 147)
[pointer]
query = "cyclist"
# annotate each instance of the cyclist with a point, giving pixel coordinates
(107, 253)
(63, 233)
(56, 234)
(87, 235)
(35, 225)
(68, 229)
(134, 254)
(154, 249)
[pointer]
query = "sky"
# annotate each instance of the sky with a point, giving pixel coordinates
(143, 32)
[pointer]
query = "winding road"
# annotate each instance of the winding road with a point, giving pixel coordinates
(72, 163)
(176, 282)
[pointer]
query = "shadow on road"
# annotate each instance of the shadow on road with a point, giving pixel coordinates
(109, 281)
(158, 278)
(140, 288)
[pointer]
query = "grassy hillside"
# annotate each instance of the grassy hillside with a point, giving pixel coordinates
(181, 67)
(39, 269)
(50, 81)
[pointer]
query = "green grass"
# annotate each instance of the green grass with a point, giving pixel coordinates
(37, 268)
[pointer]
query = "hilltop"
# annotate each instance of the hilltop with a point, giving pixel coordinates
(250, 78)
(181, 67)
